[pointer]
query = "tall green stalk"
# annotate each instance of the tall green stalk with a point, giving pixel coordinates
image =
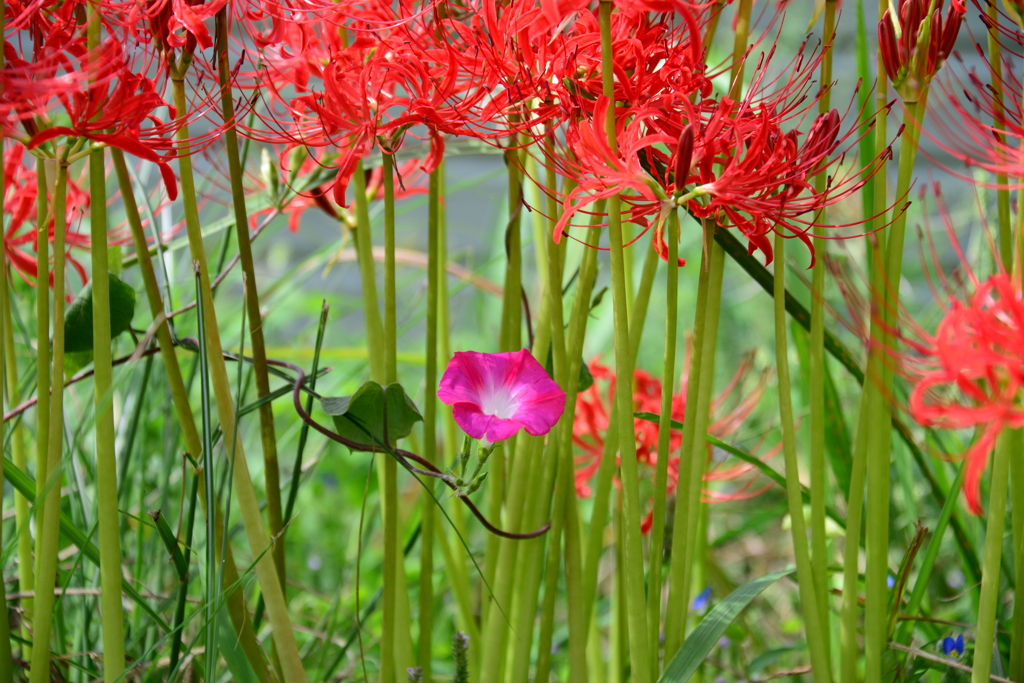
(1006, 244)
(879, 435)
(533, 549)
(42, 337)
(813, 618)
(429, 403)
(668, 378)
(816, 357)
(237, 609)
(988, 605)
(701, 385)
(567, 370)
(6, 658)
(50, 532)
(103, 373)
(389, 669)
(636, 600)
(268, 438)
(266, 572)
(875, 243)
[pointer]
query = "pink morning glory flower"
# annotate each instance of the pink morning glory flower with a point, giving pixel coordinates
(494, 395)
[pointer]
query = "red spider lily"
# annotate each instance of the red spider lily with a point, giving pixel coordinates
(914, 43)
(20, 238)
(407, 79)
(729, 412)
(742, 167)
(971, 372)
(114, 109)
(969, 123)
(33, 74)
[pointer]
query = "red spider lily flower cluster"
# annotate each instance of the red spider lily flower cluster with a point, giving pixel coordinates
(916, 41)
(730, 409)
(54, 87)
(971, 372)
(740, 163)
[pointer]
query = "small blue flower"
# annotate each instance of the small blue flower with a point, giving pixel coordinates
(700, 603)
(890, 580)
(953, 647)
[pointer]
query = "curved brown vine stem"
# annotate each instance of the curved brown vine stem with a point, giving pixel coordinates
(401, 455)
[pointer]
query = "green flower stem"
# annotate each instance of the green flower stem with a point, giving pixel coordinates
(430, 398)
(875, 243)
(984, 634)
(395, 605)
(567, 371)
(367, 271)
(701, 420)
(268, 437)
(508, 584)
(813, 619)
(237, 610)
(6, 660)
(668, 379)
(851, 545)
(248, 503)
(816, 373)
(42, 345)
(509, 340)
(574, 350)
(679, 570)
(50, 486)
(1006, 238)
(26, 566)
(1016, 671)
(389, 670)
(701, 385)
(606, 470)
(636, 599)
(551, 574)
(106, 462)
(879, 437)
(512, 310)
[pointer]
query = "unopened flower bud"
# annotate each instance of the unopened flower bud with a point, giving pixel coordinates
(475, 484)
(684, 158)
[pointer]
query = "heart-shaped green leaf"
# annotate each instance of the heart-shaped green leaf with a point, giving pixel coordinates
(360, 417)
(78, 318)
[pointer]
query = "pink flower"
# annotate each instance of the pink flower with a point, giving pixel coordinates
(494, 395)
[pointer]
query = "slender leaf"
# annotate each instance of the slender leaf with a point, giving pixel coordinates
(707, 634)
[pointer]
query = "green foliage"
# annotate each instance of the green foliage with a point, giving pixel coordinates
(713, 626)
(78, 317)
(362, 416)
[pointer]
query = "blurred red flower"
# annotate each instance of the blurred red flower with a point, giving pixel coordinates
(730, 409)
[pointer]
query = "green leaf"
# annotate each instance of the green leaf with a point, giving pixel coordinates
(700, 643)
(360, 417)
(78, 319)
(115, 254)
